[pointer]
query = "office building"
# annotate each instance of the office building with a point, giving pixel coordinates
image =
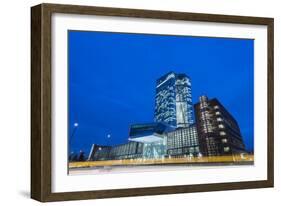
(218, 131)
(173, 101)
(99, 152)
(130, 150)
(183, 142)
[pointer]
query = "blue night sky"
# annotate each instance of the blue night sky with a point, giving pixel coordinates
(112, 78)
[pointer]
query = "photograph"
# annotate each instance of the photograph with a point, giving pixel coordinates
(142, 102)
(132, 102)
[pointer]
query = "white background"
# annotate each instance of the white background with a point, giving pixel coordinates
(15, 102)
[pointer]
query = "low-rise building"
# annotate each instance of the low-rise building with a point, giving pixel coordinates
(183, 142)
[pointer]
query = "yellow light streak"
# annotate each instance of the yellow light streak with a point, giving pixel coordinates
(182, 160)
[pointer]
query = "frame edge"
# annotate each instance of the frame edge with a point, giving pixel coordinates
(270, 100)
(36, 138)
(41, 103)
(158, 14)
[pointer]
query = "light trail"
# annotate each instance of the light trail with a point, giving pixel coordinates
(167, 161)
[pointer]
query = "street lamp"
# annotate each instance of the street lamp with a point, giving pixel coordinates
(73, 132)
(108, 136)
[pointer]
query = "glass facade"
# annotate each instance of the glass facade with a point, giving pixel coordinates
(139, 130)
(183, 142)
(173, 102)
(154, 150)
(99, 152)
(130, 150)
(152, 141)
(152, 135)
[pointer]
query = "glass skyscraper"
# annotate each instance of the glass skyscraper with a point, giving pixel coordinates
(173, 102)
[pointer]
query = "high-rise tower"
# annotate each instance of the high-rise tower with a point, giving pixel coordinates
(173, 102)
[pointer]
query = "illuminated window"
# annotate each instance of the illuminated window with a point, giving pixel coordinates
(216, 107)
(224, 140)
(222, 133)
(221, 126)
(218, 113)
(226, 149)
(219, 119)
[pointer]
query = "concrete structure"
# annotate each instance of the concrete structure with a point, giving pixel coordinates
(218, 131)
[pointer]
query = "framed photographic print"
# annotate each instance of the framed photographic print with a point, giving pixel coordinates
(130, 102)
